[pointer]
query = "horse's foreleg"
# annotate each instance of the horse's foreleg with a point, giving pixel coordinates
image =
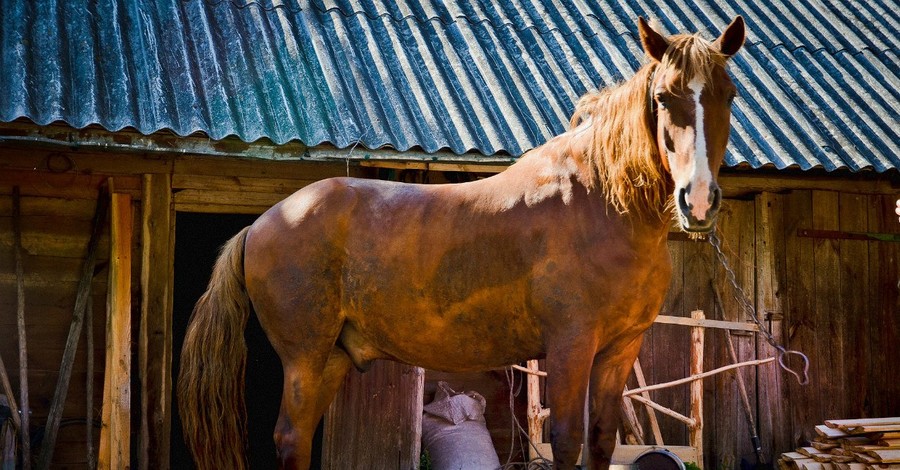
(608, 376)
(566, 390)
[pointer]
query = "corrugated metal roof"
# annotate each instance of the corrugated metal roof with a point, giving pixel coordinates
(819, 79)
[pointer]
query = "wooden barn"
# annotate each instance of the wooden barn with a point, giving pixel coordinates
(136, 137)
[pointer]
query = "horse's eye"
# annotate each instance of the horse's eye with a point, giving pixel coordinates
(661, 99)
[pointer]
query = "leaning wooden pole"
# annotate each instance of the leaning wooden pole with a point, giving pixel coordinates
(65, 369)
(25, 438)
(89, 382)
(7, 390)
(745, 401)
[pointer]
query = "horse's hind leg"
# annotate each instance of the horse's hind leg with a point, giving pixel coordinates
(308, 391)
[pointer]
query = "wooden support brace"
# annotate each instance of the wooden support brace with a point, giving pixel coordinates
(662, 409)
(10, 398)
(654, 423)
(115, 434)
(696, 377)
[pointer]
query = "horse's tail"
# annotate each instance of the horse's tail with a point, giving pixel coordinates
(213, 361)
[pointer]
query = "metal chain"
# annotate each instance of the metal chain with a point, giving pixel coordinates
(744, 301)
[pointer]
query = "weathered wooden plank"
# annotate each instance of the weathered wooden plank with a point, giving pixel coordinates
(800, 318)
(85, 162)
(199, 197)
(76, 209)
(771, 281)
(734, 185)
(258, 168)
(155, 337)
(707, 323)
(74, 183)
(883, 334)
(389, 394)
(115, 435)
(727, 432)
(664, 340)
(854, 312)
(217, 209)
(829, 325)
(52, 236)
(283, 186)
(859, 422)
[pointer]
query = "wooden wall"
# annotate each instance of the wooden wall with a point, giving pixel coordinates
(55, 233)
(833, 298)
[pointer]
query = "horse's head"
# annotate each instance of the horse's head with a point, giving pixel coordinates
(690, 96)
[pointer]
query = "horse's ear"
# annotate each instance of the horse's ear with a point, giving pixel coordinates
(655, 45)
(732, 38)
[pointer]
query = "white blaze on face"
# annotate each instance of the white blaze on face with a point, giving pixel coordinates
(700, 175)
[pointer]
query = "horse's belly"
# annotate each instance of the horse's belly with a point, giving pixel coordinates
(474, 334)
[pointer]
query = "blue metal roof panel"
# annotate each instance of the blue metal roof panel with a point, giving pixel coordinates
(819, 79)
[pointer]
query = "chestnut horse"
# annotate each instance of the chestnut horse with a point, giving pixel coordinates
(562, 256)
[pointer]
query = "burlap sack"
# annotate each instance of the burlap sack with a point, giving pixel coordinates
(455, 434)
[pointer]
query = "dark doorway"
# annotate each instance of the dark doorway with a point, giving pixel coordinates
(197, 241)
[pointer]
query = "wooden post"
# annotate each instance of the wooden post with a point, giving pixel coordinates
(155, 340)
(116, 432)
(535, 414)
(65, 368)
(24, 434)
(696, 431)
(390, 395)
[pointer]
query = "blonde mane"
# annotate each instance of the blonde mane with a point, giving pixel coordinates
(623, 148)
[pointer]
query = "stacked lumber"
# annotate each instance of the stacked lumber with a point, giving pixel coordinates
(849, 444)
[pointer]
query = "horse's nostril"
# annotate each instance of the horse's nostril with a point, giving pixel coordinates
(715, 198)
(682, 200)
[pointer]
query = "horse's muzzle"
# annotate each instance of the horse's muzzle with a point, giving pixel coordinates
(695, 218)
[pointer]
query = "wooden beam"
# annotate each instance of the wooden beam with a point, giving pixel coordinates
(741, 183)
(155, 342)
(706, 323)
(434, 166)
(115, 434)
